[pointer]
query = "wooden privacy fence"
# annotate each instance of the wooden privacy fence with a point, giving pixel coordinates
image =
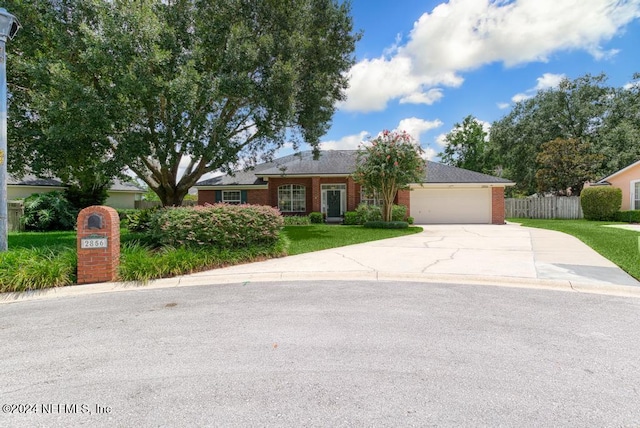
(566, 207)
(15, 210)
(141, 205)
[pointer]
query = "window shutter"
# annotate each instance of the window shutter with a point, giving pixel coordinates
(218, 195)
(243, 196)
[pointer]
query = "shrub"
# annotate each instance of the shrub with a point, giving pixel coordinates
(48, 211)
(386, 224)
(368, 213)
(219, 225)
(35, 268)
(141, 220)
(85, 196)
(410, 220)
(141, 263)
(351, 218)
(601, 202)
(632, 216)
(316, 218)
(296, 220)
(398, 213)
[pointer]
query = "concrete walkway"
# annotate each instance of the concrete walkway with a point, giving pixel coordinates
(507, 255)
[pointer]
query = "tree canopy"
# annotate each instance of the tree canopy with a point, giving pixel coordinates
(585, 112)
(389, 163)
(173, 89)
(565, 165)
(467, 146)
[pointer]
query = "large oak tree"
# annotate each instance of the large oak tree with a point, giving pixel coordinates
(173, 89)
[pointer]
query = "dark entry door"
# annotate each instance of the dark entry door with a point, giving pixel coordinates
(333, 203)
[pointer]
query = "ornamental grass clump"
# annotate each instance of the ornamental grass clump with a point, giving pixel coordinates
(219, 225)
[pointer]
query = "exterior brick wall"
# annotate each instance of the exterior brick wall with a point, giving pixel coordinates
(497, 205)
(404, 198)
(206, 197)
(99, 264)
(258, 197)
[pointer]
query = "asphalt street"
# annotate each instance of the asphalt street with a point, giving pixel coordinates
(333, 353)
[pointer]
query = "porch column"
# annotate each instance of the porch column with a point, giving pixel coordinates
(497, 205)
(351, 195)
(316, 198)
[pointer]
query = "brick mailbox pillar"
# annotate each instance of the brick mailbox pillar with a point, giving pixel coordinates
(98, 244)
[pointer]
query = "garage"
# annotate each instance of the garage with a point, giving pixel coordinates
(438, 205)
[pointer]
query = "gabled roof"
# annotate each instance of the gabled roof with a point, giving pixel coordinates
(32, 180)
(604, 180)
(339, 163)
(440, 173)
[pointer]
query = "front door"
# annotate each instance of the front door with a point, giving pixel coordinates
(333, 203)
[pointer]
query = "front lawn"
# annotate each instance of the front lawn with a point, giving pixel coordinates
(306, 239)
(621, 246)
(38, 260)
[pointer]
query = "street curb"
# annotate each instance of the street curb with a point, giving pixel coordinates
(209, 278)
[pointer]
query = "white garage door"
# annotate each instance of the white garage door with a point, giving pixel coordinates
(451, 205)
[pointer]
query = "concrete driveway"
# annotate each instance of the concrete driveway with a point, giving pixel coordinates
(508, 255)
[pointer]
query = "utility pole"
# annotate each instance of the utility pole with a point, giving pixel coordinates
(9, 26)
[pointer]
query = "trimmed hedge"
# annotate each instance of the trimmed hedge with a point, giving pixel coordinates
(316, 218)
(351, 218)
(600, 202)
(141, 220)
(219, 225)
(632, 216)
(365, 213)
(386, 224)
(398, 213)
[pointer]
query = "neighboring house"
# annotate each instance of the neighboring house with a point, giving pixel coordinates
(121, 194)
(627, 180)
(298, 184)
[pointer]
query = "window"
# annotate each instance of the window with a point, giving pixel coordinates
(231, 196)
(635, 203)
(369, 198)
(292, 198)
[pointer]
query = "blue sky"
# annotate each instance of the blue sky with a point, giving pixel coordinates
(424, 65)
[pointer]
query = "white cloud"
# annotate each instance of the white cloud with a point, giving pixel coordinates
(350, 142)
(440, 140)
(549, 81)
(503, 106)
(521, 97)
(544, 82)
(632, 85)
(416, 127)
(373, 83)
(463, 35)
(429, 97)
(429, 153)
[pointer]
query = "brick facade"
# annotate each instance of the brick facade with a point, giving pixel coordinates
(98, 264)
(497, 205)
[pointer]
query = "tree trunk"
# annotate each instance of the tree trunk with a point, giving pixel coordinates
(172, 197)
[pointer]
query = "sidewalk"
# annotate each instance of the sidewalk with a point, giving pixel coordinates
(504, 255)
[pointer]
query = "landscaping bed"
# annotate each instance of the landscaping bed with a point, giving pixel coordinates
(38, 260)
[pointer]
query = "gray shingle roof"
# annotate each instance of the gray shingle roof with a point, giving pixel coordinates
(440, 173)
(32, 180)
(339, 162)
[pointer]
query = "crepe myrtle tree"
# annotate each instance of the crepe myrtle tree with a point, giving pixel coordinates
(388, 163)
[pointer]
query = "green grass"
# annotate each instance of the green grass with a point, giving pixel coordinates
(41, 239)
(38, 260)
(621, 246)
(306, 239)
